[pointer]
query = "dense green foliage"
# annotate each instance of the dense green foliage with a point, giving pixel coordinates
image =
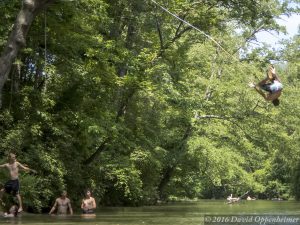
(139, 107)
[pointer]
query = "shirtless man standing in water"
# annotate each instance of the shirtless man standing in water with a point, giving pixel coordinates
(88, 204)
(62, 204)
(12, 186)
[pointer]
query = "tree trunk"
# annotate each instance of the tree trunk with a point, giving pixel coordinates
(168, 171)
(100, 149)
(166, 177)
(123, 95)
(17, 37)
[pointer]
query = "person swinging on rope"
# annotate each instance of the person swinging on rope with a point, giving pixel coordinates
(270, 84)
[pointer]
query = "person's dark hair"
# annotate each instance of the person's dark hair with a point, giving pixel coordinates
(87, 190)
(15, 210)
(10, 154)
(276, 102)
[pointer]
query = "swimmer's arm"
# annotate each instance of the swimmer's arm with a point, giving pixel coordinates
(26, 168)
(3, 165)
(94, 204)
(70, 208)
(82, 204)
(54, 207)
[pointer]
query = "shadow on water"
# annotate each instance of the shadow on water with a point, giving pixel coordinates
(187, 213)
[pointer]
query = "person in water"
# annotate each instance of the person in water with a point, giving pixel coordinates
(13, 211)
(13, 186)
(88, 204)
(249, 198)
(271, 84)
(62, 204)
(231, 199)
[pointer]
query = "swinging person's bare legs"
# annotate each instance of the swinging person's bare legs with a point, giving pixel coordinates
(20, 202)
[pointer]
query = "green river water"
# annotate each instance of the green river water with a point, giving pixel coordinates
(187, 213)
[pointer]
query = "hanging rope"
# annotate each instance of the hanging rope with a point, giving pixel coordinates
(202, 32)
(191, 25)
(45, 40)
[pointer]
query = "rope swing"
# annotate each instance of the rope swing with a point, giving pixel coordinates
(45, 43)
(192, 26)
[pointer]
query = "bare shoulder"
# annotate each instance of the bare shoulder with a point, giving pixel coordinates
(19, 164)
